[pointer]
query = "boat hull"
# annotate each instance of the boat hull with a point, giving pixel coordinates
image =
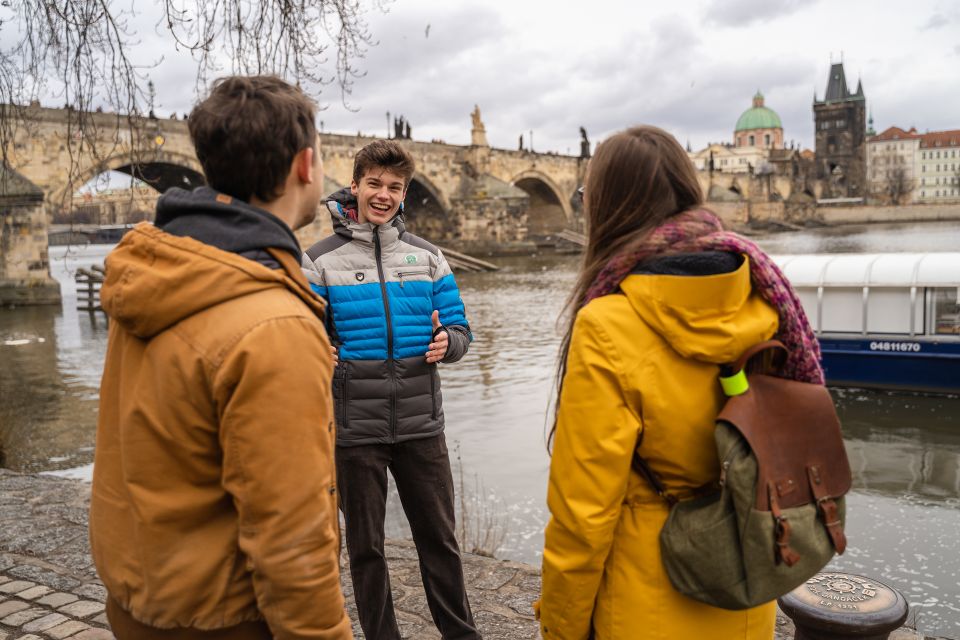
(918, 364)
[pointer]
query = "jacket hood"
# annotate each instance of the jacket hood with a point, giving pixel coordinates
(710, 318)
(156, 279)
(342, 206)
(225, 222)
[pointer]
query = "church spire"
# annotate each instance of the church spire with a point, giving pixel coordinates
(837, 88)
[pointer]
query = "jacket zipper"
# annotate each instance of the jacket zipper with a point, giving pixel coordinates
(403, 274)
(391, 365)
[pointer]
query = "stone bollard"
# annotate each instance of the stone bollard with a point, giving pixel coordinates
(830, 606)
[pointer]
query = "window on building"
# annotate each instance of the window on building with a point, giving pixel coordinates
(923, 155)
(946, 311)
(751, 141)
(766, 139)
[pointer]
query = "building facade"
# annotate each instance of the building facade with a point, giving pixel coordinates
(727, 158)
(840, 120)
(891, 165)
(938, 165)
(919, 167)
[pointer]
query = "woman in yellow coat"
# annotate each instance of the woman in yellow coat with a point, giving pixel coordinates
(664, 297)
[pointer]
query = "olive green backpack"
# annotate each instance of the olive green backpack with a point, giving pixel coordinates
(777, 517)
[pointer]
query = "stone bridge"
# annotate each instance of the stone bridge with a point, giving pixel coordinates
(474, 196)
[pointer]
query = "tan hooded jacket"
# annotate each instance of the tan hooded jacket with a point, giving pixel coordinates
(213, 497)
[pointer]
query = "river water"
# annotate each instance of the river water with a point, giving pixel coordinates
(904, 512)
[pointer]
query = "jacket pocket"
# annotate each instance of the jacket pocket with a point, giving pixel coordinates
(434, 391)
(411, 274)
(340, 396)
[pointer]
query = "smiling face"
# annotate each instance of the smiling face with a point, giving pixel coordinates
(379, 194)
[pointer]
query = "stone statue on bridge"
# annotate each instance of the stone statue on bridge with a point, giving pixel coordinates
(478, 135)
(401, 128)
(584, 144)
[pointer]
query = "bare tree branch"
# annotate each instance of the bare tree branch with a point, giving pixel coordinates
(82, 52)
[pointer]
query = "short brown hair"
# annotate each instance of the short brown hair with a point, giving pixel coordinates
(385, 154)
(247, 132)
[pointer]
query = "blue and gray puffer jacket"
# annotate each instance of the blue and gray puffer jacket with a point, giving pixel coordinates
(382, 284)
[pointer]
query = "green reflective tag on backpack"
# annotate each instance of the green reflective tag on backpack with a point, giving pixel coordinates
(736, 384)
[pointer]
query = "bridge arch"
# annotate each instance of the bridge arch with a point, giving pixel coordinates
(161, 170)
(549, 211)
(426, 213)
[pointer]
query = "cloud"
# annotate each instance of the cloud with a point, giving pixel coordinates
(739, 13)
(936, 21)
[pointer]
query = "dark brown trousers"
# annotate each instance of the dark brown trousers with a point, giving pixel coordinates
(421, 469)
(125, 627)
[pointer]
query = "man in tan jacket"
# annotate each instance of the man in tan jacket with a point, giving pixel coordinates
(214, 507)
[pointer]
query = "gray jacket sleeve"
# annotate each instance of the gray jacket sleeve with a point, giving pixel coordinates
(459, 343)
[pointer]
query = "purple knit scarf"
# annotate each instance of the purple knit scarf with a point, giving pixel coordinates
(700, 230)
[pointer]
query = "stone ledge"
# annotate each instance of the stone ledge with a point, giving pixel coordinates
(47, 576)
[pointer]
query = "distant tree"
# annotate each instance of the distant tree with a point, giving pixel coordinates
(82, 52)
(898, 184)
(893, 182)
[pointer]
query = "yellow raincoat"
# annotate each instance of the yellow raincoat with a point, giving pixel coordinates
(641, 360)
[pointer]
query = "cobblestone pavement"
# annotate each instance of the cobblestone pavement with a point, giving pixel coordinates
(49, 589)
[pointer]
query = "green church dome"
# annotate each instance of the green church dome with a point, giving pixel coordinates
(758, 117)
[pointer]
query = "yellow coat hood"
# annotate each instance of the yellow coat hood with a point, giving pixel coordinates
(711, 318)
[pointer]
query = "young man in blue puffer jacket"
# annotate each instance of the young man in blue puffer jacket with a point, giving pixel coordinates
(394, 313)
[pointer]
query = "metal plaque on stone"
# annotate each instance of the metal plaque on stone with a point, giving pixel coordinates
(844, 605)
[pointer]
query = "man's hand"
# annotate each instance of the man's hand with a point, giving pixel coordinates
(437, 348)
(336, 356)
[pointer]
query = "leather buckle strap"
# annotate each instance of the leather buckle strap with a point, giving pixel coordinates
(783, 552)
(831, 520)
(827, 507)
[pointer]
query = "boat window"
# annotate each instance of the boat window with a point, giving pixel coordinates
(888, 311)
(843, 310)
(946, 311)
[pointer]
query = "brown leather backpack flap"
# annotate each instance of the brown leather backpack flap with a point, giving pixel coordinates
(791, 427)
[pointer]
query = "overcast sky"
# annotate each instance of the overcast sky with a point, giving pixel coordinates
(690, 66)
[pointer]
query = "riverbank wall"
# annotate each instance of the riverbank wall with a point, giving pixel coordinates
(746, 213)
(49, 588)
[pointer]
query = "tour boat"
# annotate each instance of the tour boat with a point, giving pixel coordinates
(889, 320)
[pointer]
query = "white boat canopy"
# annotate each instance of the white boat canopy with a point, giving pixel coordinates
(871, 269)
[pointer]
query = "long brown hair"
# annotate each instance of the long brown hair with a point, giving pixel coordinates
(635, 181)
